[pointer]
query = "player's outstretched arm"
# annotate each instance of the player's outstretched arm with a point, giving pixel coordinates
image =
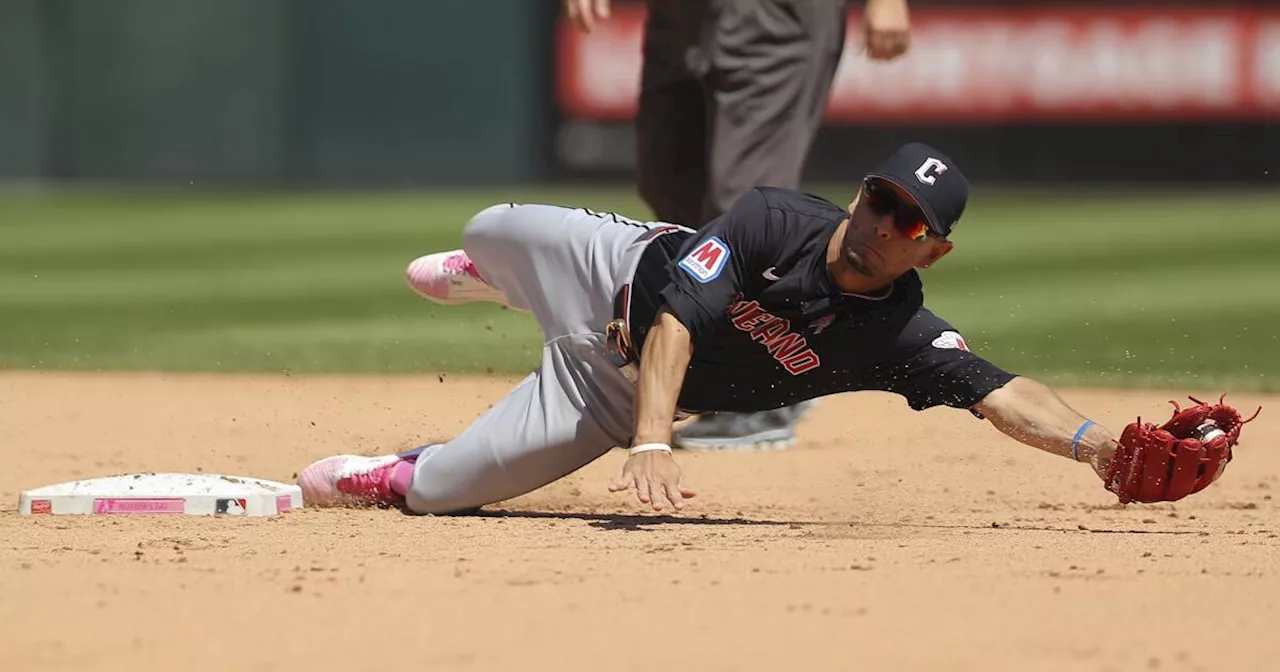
(1146, 463)
(651, 468)
(1032, 413)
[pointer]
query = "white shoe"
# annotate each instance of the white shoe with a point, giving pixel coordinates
(450, 278)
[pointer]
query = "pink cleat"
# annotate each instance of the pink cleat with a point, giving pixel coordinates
(350, 480)
(450, 278)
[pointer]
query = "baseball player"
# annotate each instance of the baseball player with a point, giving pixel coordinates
(785, 297)
(732, 94)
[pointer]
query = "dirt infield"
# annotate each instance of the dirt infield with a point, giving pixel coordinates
(886, 540)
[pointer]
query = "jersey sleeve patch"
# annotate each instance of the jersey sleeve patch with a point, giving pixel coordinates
(707, 260)
(950, 340)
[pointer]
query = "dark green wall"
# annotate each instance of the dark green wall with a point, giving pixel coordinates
(402, 88)
(328, 90)
(189, 88)
(24, 89)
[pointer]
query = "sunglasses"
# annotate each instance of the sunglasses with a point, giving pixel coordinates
(907, 218)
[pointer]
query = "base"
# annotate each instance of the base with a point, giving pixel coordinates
(190, 494)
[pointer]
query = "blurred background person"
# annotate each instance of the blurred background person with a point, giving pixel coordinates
(732, 94)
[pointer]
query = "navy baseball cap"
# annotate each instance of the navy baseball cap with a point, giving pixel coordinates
(932, 179)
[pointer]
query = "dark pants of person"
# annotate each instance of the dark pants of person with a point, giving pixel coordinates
(732, 94)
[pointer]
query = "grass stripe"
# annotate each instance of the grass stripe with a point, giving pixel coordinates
(1084, 286)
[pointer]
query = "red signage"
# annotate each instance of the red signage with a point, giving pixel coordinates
(988, 64)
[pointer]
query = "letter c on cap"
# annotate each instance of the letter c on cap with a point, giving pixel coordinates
(929, 171)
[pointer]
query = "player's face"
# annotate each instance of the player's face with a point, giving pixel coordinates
(887, 235)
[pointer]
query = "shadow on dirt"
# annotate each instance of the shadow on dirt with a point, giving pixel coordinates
(640, 523)
(635, 523)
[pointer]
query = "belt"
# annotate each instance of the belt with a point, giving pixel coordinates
(618, 330)
(620, 349)
(621, 354)
(619, 346)
(617, 336)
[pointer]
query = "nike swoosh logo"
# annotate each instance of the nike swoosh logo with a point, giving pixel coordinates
(768, 274)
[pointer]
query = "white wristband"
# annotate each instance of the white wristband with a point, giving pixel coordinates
(646, 447)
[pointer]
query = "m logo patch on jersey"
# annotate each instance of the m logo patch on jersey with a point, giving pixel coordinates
(950, 340)
(707, 260)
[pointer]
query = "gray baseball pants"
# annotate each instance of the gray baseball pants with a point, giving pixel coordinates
(565, 266)
(732, 93)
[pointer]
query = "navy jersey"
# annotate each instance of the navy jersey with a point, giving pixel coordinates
(770, 328)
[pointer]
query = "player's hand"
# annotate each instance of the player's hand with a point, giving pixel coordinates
(656, 477)
(886, 29)
(583, 14)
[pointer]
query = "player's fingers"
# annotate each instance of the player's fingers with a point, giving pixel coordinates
(887, 44)
(659, 494)
(672, 493)
(602, 8)
(901, 42)
(573, 10)
(873, 42)
(877, 45)
(863, 40)
(624, 481)
(587, 15)
(642, 490)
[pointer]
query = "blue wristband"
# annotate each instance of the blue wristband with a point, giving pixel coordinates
(1075, 441)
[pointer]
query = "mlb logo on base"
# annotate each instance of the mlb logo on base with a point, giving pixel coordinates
(234, 507)
(707, 260)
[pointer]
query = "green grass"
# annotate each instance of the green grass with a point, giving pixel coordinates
(1101, 288)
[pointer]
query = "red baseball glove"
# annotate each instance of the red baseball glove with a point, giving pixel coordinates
(1182, 456)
